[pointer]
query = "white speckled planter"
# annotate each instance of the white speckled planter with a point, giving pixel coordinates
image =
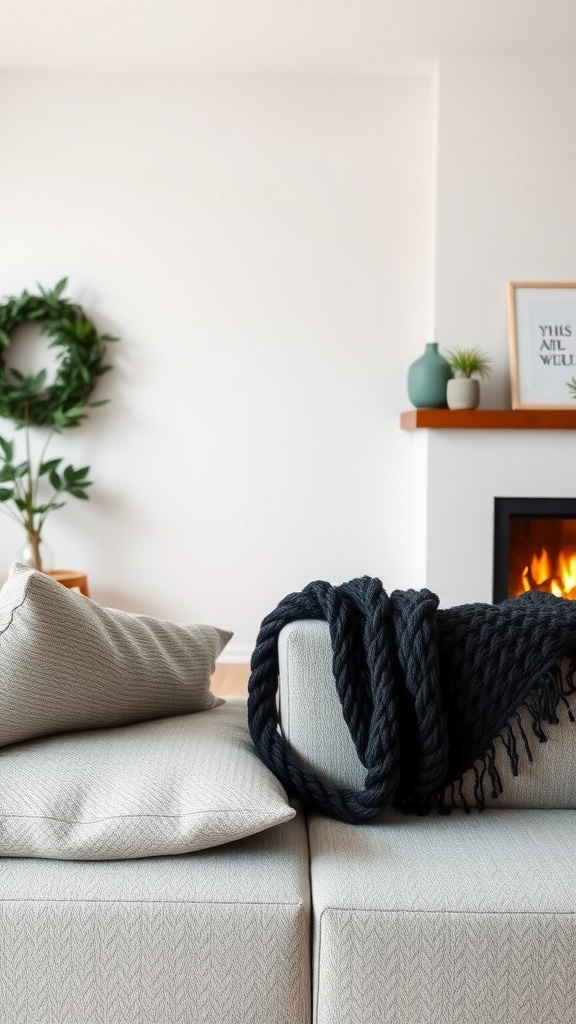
(463, 393)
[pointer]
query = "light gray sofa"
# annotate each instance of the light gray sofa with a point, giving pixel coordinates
(466, 919)
(213, 937)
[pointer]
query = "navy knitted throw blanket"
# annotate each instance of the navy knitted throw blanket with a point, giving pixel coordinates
(425, 692)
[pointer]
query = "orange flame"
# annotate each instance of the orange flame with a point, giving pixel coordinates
(558, 578)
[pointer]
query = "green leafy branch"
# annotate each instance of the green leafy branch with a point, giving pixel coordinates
(30, 491)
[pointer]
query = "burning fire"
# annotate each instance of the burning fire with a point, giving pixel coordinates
(558, 578)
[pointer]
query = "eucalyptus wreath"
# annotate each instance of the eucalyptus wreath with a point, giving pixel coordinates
(28, 400)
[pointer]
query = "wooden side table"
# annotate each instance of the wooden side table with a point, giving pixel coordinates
(72, 580)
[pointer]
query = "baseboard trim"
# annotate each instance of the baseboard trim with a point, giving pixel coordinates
(236, 654)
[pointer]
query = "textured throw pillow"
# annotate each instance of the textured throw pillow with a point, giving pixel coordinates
(169, 786)
(67, 663)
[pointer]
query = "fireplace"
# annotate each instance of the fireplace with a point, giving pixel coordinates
(534, 546)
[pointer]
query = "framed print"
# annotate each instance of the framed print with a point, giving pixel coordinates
(542, 336)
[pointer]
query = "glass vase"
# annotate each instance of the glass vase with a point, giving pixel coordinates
(36, 553)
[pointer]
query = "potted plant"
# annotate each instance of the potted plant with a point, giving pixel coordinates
(467, 365)
(20, 497)
(31, 485)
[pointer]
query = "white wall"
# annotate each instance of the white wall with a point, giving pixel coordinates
(505, 211)
(263, 249)
(505, 196)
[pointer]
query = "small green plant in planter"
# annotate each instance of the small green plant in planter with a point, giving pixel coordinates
(571, 385)
(467, 365)
(470, 362)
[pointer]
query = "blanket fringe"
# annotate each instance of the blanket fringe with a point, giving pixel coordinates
(542, 706)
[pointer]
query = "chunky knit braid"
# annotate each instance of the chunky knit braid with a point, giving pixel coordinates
(424, 692)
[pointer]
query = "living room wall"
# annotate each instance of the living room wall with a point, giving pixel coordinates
(505, 212)
(263, 247)
(505, 195)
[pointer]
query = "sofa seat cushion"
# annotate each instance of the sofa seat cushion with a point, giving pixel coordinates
(215, 937)
(460, 920)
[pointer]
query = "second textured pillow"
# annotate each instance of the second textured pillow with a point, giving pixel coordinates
(170, 786)
(67, 663)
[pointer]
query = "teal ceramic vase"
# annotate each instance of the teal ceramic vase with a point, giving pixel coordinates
(428, 379)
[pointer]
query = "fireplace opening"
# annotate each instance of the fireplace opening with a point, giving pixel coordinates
(534, 546)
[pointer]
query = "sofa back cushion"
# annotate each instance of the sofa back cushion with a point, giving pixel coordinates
(313, 723)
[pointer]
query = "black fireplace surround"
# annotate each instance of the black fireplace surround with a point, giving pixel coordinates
(531, 520)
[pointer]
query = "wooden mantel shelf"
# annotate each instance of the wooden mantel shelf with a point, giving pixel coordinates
(489, 419)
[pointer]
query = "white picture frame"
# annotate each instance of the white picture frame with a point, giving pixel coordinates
(542, 338)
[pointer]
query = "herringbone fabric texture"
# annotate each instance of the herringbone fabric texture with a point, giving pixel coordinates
(162, 787)
(67, 663)
(218, 937)
(313, 724)
(458, 920)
